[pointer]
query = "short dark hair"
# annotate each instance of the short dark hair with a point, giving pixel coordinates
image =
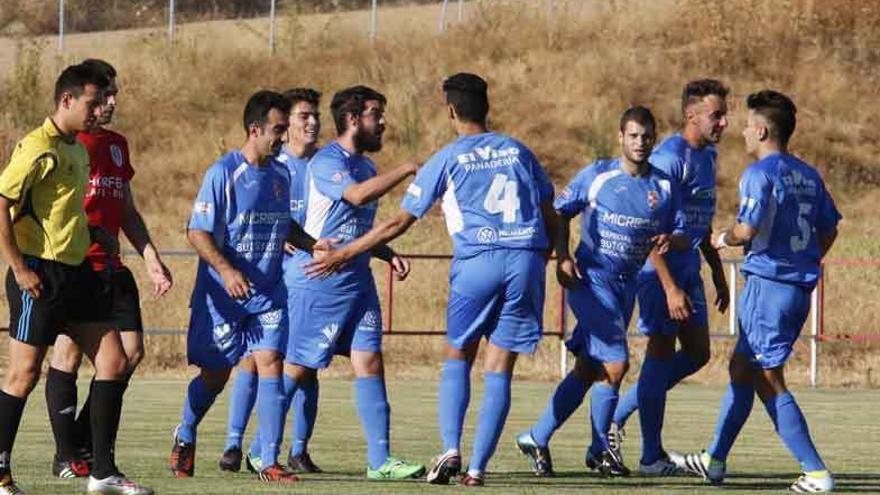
(352, 101)
(101, 66)
(778, 110)
(260, 104)
(640, 115)
(468, 95)
(698, 89)
(75, 78)
(296, 95)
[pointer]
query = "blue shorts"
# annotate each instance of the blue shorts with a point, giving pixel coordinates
(653, 310)
(603, 305)
(771, 315)
(217, 342)
(497, 294)
(324, 324)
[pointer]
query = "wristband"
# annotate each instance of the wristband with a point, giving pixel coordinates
(722, 240)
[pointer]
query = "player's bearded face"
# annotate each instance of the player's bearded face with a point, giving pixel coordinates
(273, 133)
(711, 118)
(372, 126)
(109, 105)
(637, 142)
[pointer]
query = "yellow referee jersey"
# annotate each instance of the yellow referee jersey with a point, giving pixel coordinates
(47, 178)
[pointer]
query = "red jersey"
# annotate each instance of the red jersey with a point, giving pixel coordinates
(109, 172)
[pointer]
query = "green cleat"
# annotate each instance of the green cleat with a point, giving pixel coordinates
(395, 469)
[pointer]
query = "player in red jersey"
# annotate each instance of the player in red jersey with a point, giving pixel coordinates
(109, 204)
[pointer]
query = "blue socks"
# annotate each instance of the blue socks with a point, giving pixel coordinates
(651, 394)
(241, 403)
(496, 405)
(792, 427)
(735, 409)
(680, 368)
(270, 413)
(566, 399)
(196, 402)
(305, 412)
(602, 403)
(454, 395)
(374, 411)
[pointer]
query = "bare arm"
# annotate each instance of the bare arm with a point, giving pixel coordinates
(676, 299)
(27, 280)
(719, 279)
(237, 286)
(135, 229)
(552, 223)
(740, 234)
(374, 188)
(567, 272)
(826, 240)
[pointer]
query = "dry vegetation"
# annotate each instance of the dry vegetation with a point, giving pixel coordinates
(560, 74)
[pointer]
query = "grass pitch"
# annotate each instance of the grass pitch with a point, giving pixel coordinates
(843, 424)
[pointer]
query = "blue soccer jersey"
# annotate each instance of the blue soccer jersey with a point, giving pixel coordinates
(247, 211)
(620, 214)
(297, 167)
(785, 199)
(329, 216)
(693, 169)
(492, 188)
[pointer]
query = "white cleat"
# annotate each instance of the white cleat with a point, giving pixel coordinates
(703, 465)
(813, 484)
(661, 467)
(8, 486)
(116, 485)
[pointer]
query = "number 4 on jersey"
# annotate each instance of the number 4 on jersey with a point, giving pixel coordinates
(502, 198)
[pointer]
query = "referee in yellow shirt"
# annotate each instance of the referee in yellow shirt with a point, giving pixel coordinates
(44, 237)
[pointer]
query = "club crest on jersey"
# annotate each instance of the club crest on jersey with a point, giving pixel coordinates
(337, 177)
(202, 207)
(653, 199)
(116, 155)
(487, 235)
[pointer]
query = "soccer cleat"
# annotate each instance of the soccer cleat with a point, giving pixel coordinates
(616, 435)
(8, 486)
(85, 454)
(395, 469)
(183, 457)
(69, 469)
(231, 460)
(661, 467)
(117, 484)
(703, 465)
(277, 474)
(302, 464)
(253, 463)
(444, 468)
(472, 480)
(542, 463)
(607, 463)
(809, 483)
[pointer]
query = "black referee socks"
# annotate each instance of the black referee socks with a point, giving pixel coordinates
(106, 410)
(61, 402)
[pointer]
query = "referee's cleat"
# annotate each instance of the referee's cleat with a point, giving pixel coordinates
(8, 486)
(395, 469)
(253, 463)
(231, 460)
(704, 465)
(117, 484)
(302, 463)
(69, 468)
(444, 468)
(183, 457)
(607, 463)
(815, 482)
(277, 474)
(661, 467)
(542, 463)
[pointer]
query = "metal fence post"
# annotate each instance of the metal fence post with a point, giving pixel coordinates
(460, 10)
(442, 26)
(170, 22)
(60, 25)
(732, 288)
(373, 20)
(815, 311)
(563, 327)
(272, 26)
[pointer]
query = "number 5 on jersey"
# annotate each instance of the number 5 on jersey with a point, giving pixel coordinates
(502, 198)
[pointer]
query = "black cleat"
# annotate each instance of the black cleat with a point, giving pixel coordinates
(231, 460)
(443, 469)
(302, 464)
(73, 468)
(607, 463)
(542, 463)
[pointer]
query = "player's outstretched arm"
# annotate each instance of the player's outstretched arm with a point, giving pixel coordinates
(679, 305)
(135, 230)
(719, 279)
(381, 234)
(376, 187)
(237, 285)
